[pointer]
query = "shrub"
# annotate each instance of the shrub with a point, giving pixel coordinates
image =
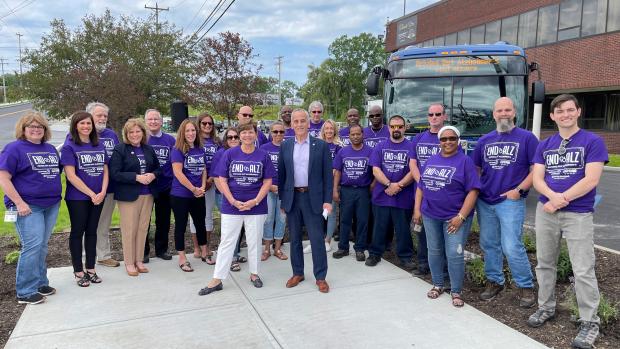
(529, 242)
(607, 311)
(11, 257)
(565, 268)
(475, 271)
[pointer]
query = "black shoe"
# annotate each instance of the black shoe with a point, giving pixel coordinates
(407, 265)
(490, 291)
(258, 283)
(46, 290)
(360, 256)
(205, 291)
(372, 260)
(420, 271)
(165, 256)
(145, 259)
(34, 299)
(336, 237)
(340, 253)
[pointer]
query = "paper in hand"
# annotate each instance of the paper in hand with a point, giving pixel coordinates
(325, 213)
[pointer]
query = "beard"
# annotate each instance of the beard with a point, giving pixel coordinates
(100, 127)
(397, 134)
(505, 125)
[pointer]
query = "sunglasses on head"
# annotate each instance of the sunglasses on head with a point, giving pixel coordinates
(205, 123)
(451, 139)
(247, 115)
(562, 148)
(397, 127)
(435, 114)
(277, 132)
(232, 137)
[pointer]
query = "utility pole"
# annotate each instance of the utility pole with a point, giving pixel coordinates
(19, 41)
(404, 7)
(279, 58)
(3, 82)
(156, 9)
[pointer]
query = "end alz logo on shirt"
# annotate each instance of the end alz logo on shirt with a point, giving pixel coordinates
(91, 162)
(501, 154)
(274, 159)
(436, 177)
(210, 150)
(194, 164)
(426, 150)
(563, 166)
(163, 154)
(108, 143)
(395, 160)
(245, 173)
(44, 163)
(355, 167)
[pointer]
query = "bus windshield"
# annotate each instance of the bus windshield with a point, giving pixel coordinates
(467, 96)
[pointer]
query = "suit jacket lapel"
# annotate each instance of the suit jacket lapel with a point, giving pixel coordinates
(311, 145)
(289, 155)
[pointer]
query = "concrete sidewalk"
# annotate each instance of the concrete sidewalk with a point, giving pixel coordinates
(380, 307)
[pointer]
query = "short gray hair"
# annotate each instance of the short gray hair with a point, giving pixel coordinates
(92, 105)
(276, 123)
(315, 104)
(303, 111)
(146, 113)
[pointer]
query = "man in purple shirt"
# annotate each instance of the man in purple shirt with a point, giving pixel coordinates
(392, 195)
(245, 116)
(285, 116)
(100, 111)
(316, 118)
(353, 118)
(503, 158)
(163, 144)
(377, 131)
(567, 169)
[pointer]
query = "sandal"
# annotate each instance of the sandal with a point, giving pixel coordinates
(93, 277)
(280, 255)
(435, 292)
(82, 281)
(265, 255)
(186, 267)
(208, 259)
(242, 259)
(457, 301)
(234, 266)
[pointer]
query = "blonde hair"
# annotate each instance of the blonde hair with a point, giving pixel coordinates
(335, 126)
(131, 123)
(181, 143)
(29, 118)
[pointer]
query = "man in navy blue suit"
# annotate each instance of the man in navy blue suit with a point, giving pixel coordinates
(305, 188)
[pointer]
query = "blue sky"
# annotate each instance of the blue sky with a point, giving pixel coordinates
(299, 30)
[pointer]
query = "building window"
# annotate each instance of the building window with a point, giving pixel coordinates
(594, 13)
(570, 19)
(451, 39)
(527, 28)
(463, 37)
(613, 19)
(547, 24)
(477, 35)
(440, 41)
(510, 27)
(492, 32)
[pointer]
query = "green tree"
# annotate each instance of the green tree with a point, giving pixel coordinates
(125, 63)
(289, 90)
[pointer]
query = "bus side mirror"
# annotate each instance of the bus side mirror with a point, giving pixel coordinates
(372, 83)
(538, 91)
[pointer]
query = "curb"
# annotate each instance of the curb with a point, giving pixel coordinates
(611, 169)
(530, 229)
(13, 105)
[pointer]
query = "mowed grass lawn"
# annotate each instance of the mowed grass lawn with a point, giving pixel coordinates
(62, 223)
(614, 160)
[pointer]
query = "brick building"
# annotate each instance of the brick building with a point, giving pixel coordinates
(575, 42)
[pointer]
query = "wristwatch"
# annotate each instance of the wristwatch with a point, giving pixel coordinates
(521, 190)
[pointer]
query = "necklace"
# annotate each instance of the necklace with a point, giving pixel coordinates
(373, 130)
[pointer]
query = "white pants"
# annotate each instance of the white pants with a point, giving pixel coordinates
(231, 228)
(209, 204)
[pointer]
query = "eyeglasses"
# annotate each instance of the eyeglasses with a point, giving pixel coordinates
(374, 115)
(247, 115)
(36, 127)
(434, 114)
(397, 127)
(232, 137)
(276, 132)
(205, 123)
(317, 112)
(446, 139)
(562, 148)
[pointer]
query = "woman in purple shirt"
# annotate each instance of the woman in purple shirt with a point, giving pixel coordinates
(244, 178)
(188, 189)
(85, 161)
(30, 179)
(449, 175)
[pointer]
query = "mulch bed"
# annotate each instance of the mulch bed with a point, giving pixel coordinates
(557, 333)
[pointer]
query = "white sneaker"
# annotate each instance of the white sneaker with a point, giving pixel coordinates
(308, 248)
(328, 247)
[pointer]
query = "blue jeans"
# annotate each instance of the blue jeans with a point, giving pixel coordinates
(354, 203)
(34, 232)
(442, 246)
(332, 221)
(400, 217)
(501, 229)
(274, 214)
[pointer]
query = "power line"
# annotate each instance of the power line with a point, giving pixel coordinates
(217, 20)
(14, 10)
(196, 14)
(204, 23)
(157, 9)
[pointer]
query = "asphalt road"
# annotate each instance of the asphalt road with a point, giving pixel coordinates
(9, 117)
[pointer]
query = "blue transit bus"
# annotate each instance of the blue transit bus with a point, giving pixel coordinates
(466, 79)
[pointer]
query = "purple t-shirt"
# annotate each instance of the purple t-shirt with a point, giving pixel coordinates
(109, 140)
(353, 166)
(344, 136)
(273, 151)
(425, 145)
(245, 174)
(562, 171)
(144, 190)
(505, 160)
(35, 172)
(314, 129)
(163, 148)
(289, 133)
(210, 148)
(445, 182)
(372, 138)
(393, 159)
(260, 139)
(193, 166)
(333, 149)
(88, 161)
